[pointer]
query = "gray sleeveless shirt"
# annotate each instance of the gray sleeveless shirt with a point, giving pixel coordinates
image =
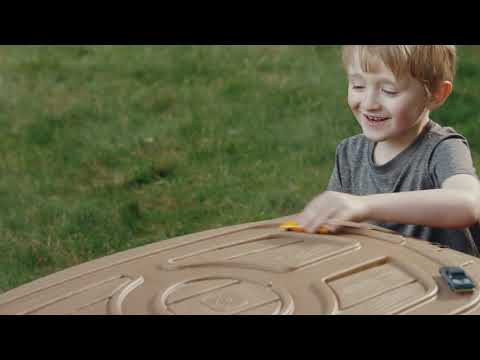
(437, 154)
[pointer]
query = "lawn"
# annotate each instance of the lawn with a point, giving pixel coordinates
(106, 148)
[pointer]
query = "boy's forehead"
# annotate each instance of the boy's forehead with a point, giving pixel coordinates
(374, 61)
(376, 69)
(375, 66)
(373, 74)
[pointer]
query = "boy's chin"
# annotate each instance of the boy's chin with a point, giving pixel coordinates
(375, 137)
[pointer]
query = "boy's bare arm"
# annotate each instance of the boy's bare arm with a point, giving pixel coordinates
(456, 205)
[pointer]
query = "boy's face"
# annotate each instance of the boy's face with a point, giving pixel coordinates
(387, 108)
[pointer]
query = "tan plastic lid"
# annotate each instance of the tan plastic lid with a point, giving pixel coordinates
(258, 268)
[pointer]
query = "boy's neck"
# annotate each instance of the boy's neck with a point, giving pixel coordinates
(385, 151)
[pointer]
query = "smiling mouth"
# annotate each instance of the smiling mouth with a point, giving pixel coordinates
(375, 118)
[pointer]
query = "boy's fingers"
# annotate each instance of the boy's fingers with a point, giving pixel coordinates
(316, 214)
(311, 222)
(336, 224)
(319, 221)
(314, 218)
(333, 228)
(305, 218)
(319, 227)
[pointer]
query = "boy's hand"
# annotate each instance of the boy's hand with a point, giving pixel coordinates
(330, 207)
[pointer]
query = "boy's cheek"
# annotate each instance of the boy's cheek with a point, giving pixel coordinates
(353, 103)
(405, 115)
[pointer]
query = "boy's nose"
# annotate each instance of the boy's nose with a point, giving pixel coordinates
(370, 102)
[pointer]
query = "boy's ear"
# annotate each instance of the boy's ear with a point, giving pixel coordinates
(441, 94)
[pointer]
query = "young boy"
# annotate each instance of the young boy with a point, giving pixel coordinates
(405, 172)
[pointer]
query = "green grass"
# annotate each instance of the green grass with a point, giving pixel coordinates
(106, 148)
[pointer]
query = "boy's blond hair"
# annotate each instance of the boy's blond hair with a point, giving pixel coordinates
(429, 64)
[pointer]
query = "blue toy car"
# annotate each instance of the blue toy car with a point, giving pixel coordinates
(457, 279)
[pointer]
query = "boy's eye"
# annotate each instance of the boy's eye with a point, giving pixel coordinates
(390, 92)
(358, 87)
